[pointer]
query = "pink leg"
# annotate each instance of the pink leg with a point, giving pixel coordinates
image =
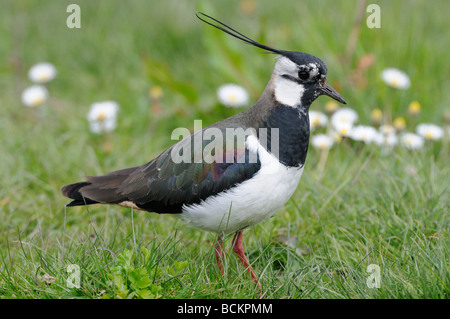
(238, 248)
(218, 249)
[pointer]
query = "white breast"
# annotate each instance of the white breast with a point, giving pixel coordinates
(251, 201)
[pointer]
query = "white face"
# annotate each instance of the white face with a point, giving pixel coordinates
(287, 91)
(285, 66)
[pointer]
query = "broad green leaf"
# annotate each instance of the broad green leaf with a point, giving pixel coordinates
(180, 265)
(126, 259)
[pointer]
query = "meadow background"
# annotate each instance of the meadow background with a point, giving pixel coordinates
(365, 206)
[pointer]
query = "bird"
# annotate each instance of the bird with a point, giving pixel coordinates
(238, 186)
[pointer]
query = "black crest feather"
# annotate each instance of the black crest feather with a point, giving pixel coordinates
(227, 29)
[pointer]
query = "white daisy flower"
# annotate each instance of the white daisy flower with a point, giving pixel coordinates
(395, 78)
(317, 119)
(34, 96)
(343, 119)
(232, 95)
(42, 72)
(430, 131)
(385, 139)
(386, 136)
(343, 128)
(102, 116)
(363, 133)
(386, 129)
(322, 141)
(412, 141)
(337, 137)
(344, 114)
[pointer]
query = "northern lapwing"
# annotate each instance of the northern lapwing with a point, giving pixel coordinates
(239, 185)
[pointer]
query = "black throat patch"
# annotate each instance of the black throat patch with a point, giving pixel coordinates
(292, 134)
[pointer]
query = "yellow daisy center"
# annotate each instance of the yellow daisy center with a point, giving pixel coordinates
(414, 107)
(331, 106)
(399, 123)
(377, 114)
(44, 77)
(37, 101)
(232, 98)
(156, 92)
(388, 129)
(394, 82)
(315, 122)
(101, 116)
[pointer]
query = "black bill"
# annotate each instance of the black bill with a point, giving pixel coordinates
(326, 89)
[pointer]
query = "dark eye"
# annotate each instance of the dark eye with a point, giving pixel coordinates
(303, 75)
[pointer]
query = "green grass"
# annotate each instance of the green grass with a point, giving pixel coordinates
(366, 207)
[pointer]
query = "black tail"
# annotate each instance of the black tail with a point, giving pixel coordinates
(98, 189)
(73, 191)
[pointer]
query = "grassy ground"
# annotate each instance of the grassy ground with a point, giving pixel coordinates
(366, 207)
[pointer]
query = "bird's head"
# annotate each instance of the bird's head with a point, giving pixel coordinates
(298, 78)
